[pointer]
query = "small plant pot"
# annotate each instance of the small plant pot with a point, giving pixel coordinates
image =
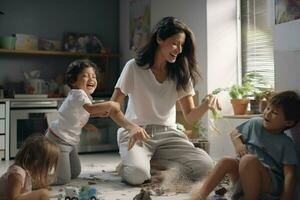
(239, 106)
(7, 42)
(255, 106)
(262, 105)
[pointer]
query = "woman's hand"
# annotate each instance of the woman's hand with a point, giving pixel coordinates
(212, 102)
(136, 134)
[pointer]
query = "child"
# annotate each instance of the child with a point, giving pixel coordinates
(73, 116)
(266, 168)
(34, 161)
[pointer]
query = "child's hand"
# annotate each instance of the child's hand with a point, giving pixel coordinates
(136, 134)
(90, 128)
(240, 148)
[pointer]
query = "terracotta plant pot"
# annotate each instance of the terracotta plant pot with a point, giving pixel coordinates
(254, 106)
(239, 106)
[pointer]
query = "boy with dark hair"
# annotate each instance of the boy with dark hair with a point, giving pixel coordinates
(267, 164)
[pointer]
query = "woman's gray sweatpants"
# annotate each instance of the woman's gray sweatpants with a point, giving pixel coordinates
(166, 146)
(68, 166)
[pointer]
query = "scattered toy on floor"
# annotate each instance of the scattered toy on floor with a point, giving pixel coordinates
(218, 197)
(220, 194)
(143, 195)
(92, 183)
(84, 193)
(221, 191)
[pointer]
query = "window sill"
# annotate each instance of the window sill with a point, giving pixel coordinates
(247, 116)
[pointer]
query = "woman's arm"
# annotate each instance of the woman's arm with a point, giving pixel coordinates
(118, 117)
(15, 186)
(191, 113)
(289, 182)
(135, 132)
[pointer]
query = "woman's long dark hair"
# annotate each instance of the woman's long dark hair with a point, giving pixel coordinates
(185, 66)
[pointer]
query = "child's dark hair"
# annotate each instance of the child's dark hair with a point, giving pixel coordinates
(39, 156)
(289, 101)
(76, 68)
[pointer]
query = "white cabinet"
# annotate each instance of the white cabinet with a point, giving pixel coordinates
(219, 140)
(2, 129)
(2, 110)
(2, 126)
(2, 142)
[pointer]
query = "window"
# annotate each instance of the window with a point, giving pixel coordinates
(256, 40)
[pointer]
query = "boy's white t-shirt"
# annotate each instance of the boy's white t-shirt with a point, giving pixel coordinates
(150, 102)
(72, 117)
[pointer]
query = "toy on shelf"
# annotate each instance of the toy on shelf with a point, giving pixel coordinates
(84, 193)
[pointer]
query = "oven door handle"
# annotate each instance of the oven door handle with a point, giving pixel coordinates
(33, 104)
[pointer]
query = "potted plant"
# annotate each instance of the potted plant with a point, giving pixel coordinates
(254, 89)
(261, 90)
(200, 141)
(239, 100)
(238, 94)
(265, 96)
(198, 135)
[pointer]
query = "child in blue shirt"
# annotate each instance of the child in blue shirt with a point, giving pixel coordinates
(267, 158)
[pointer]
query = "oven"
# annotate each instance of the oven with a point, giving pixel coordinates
(103, 138)
(27, 118)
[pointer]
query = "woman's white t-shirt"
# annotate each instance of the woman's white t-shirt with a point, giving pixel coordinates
(150, 102)
(72, 117)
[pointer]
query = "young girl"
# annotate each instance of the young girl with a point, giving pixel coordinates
(73, 116)
(35, 160)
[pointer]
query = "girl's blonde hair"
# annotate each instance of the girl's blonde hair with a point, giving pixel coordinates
(39, 156)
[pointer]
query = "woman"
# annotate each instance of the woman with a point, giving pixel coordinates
(163, 72)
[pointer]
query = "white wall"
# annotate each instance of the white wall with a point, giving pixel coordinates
(287, 70)
(222, 47)
(222, 68)
(287, 55)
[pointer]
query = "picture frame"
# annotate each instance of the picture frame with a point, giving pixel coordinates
(139, 23)
(286, 10)
(84, 43)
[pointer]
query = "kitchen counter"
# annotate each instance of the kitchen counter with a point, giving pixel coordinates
(31, 99)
